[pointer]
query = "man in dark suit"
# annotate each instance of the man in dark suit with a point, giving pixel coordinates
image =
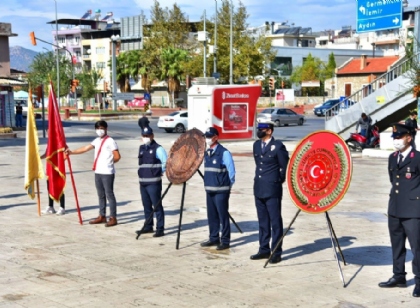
(144, 122)
(404, 207)
(271, 159)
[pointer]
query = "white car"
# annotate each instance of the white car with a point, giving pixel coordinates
(176, 121)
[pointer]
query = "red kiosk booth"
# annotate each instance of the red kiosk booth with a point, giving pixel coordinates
(231, 109)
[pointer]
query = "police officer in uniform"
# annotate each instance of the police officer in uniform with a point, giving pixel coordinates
(404, 207)
(219, 176)
(152, 166)
(271, 159)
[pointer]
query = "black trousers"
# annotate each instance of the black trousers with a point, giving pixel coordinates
(399, 230)
(51, 201)
(270, 224)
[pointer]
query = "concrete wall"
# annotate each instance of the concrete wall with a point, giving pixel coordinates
(357, 83)
(4, 56)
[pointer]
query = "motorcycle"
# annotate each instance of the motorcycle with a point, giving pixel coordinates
(358, 142)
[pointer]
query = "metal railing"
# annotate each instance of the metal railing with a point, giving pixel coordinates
(367, 90)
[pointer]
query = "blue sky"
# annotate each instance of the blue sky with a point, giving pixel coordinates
(33, 15)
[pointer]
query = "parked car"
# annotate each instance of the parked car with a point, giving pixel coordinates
(176, 121)
(139, 103)
(321, 110)
(281, 116)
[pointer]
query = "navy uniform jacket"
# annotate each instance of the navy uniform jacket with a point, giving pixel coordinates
(404, 201)
(270, 169)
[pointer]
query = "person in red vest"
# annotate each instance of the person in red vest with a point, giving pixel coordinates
(106, 155)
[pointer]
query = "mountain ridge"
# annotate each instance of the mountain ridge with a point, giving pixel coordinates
(21, 58)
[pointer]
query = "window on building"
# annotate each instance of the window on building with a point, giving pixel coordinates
(100, 50)
(100, 65)
(77, 39)
(61, 40)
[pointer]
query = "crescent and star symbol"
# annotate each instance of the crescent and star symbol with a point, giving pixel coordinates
(312, 172)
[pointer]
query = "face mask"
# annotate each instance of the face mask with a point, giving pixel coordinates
(100, 132)
(261, 134)
(146, 140)
(399, 144)
(209, 141)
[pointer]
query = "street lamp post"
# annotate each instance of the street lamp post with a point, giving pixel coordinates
(58, 55)
(205, 48)
(231, 44)
(215, 41)
(114, 39)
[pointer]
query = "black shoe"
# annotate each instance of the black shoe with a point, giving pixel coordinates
(209, 243)
(416, 292)
(392, 283)
(275, 259)
(158, 233)
(260, 256)
(222, 246)
(144, 231)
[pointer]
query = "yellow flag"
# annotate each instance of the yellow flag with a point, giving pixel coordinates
(33, 164)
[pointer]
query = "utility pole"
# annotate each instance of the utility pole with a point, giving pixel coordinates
(58, 56)
(231, 44)
(215, 41)
(205, 48)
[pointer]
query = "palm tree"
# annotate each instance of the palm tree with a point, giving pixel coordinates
(173, 61)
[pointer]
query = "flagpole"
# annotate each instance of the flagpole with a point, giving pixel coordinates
(74, 190)
(39, 197)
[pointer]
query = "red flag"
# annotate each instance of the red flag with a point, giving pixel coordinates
(56, 170)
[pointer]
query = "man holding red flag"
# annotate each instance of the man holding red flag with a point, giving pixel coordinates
(55, 156)
(106, 155)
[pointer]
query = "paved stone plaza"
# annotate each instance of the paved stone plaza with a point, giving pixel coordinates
(53, 261)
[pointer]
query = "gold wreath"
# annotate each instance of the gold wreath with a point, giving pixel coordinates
(341, 182)
(295, 185)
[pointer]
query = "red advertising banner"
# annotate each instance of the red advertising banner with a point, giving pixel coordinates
(235, 117)
(234, 110)
(319, 172)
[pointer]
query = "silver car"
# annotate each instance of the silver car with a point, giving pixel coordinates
(281, 116)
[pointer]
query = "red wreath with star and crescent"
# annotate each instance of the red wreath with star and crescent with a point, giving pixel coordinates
(319, 172)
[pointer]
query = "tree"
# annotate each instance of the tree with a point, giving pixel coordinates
(331, 66)
(169, 29)
(88, 81)
(172, 68)
(249, 53)
(312, 69)
(44, 68)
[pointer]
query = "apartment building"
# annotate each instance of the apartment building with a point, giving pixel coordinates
(87, 42)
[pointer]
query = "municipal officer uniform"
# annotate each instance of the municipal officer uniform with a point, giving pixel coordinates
(219, 176)
(404, 210)
(152, 164)
(271, 161)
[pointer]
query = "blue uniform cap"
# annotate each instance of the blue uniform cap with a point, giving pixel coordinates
(211, 132)
(399, 130)
(265, 125)
(147, 131)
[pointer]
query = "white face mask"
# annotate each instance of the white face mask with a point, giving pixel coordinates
(399, 144)
(100, 132)
(209, 141)
(146, 140)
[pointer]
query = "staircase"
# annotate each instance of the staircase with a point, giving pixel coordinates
(386, 100)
